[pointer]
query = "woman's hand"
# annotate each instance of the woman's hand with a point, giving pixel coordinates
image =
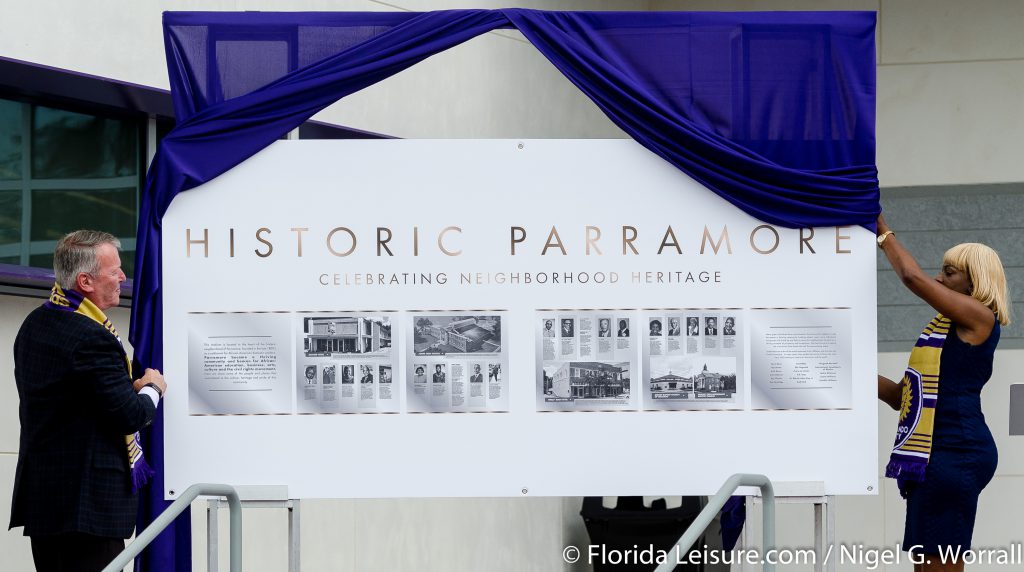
(973, 319)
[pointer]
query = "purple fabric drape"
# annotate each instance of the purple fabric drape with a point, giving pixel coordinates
(772, 111)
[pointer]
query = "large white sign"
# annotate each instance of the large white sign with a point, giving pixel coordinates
(503, 318)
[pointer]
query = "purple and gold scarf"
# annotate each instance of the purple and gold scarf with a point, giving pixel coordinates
(913, 446)
(73, 301)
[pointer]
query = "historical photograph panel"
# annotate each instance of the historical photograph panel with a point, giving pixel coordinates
(350, 356)
(590, 363)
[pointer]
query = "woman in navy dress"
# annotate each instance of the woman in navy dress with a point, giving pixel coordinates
(970, 290)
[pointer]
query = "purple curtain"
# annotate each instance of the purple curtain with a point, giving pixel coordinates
(774, 112)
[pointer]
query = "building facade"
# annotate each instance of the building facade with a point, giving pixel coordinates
(672, 383)
(589, 380)
(346, 335)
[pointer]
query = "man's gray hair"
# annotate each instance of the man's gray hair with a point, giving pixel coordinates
(76, 253)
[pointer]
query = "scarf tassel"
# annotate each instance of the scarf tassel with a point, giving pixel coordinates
(141, 473)
(905, 472)
(908, 470)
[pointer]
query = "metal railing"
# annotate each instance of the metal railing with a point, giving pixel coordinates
(177, 507)
(714, 505)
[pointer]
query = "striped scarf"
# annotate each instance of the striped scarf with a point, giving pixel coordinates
(73, 301)
(913, 445)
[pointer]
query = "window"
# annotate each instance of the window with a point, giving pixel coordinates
(62, 170)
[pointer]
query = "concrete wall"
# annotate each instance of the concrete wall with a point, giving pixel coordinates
(950, 78)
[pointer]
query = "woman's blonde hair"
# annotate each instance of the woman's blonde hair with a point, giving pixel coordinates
(985, 271)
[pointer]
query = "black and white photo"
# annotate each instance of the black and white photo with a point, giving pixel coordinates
(419, 373)
(714, 377)
(623, 331)
(691, 379)
(729, 326)
(440, 373)
(692, 326)
(604, 328)
(581, 381)
(366, 373)
(671, 378)
(456, 334)
(710, 326)
(354, 334)
(549, 328)
(568, 328)
(655, 327)
(673, 326)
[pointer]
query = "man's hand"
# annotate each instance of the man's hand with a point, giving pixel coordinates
(151, 376)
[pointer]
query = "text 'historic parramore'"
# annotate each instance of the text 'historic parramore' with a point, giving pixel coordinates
(623, 240)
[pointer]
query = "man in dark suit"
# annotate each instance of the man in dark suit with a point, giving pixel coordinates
(79, 409)
(477, 377)
(710, 326)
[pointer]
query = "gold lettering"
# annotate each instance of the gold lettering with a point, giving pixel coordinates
(628, 236)
(839, 248)
(189, 242)
(415, 241)
(440, 238)
(231, 241)
(270, 247)
(806, 240)
(665, 241)
(346, 231)
(516, 240)
(558, 242)
(593, 235)
(754, 245)
(383, 243)
(724, 237)
(298, 237)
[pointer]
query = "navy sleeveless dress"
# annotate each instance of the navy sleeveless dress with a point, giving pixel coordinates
(941, 509)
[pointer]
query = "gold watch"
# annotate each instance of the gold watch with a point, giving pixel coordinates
(882, 237)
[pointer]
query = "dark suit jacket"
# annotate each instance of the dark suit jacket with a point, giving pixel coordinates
(77, 405)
